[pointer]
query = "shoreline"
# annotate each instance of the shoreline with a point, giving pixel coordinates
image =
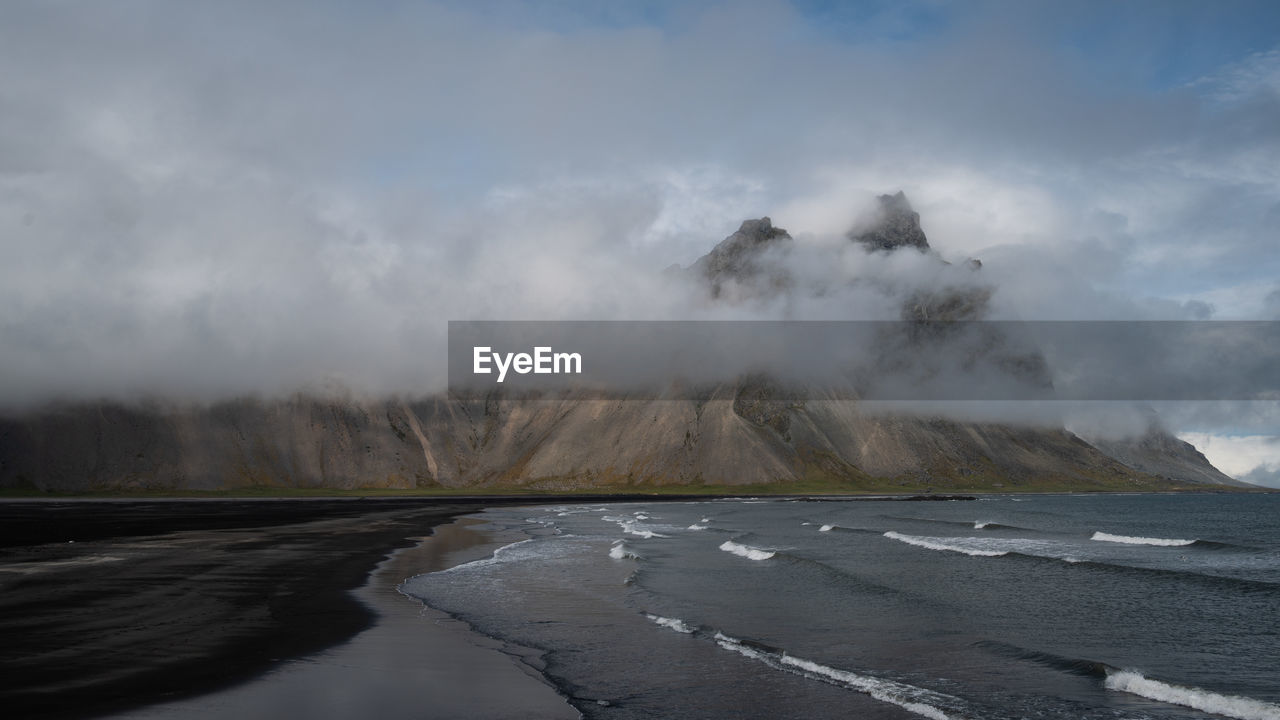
(160, 600)
(482, 500)
(413, 662)
(135, 607)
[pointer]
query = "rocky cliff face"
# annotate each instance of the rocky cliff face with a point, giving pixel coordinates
(738, 434)
(894, 225)
(734, 437)
(1161, 454)
(740, 262)
(295, 442)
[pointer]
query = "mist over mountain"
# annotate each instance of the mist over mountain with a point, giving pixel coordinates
(243, 200)
(739, 431)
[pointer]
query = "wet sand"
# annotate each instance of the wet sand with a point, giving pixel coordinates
(113, 606)
(414, 662)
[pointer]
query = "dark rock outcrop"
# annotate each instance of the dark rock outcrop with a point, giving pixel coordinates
(738, 258)
(894, 225)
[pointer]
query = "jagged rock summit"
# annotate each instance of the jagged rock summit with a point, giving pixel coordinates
(895, 225)
(737, 258)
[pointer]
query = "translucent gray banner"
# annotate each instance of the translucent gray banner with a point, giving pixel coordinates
(882, 361)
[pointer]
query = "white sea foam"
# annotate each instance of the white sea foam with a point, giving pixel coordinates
(907, 697)
(951, 544)
(746, 551)
(641, 532)
(697, 527)
(620, 551)
(1128, 540)
(995, 546)
(705, 520)
(1231, 706)
(503, 554)
(673, 623)
(736, 645)
(980, 525)
(826, 528)
(900, 694)
(634, 527)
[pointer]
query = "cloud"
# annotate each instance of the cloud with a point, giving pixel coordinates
(1271, 303)
(1252, 458)
(248, 198)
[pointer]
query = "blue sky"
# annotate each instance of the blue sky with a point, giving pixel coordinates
(235, 197)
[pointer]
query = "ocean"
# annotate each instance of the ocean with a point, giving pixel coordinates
(1065, 606)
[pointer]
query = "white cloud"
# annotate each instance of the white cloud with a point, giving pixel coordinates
(1254, 458)
(215, 200)
(1242, 80)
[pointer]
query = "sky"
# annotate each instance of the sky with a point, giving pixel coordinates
(211, 199)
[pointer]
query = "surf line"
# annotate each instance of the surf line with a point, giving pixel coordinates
(911, 698)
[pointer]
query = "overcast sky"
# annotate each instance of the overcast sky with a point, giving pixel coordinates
(215, 198)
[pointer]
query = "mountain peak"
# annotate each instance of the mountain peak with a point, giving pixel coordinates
(757, 231)
(894, 225)
(737, 257)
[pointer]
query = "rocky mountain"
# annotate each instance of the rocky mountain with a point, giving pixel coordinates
(894, 225)
(740, 433)
(1161, 454)
(734, 437)
(739, 260)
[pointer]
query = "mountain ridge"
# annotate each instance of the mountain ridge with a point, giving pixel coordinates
(739, 434)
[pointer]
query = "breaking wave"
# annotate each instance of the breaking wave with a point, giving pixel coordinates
(746, 551)
(950, 544)
(632, 526)
(1129, 540)
(883, 690)
(620, 551)
(695, 526)
(1231, 706)
(676, 624)
(1136, 684)
(986, 525)
(501, 555)
(908, 697)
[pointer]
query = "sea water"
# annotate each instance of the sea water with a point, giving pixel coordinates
(1069, 606)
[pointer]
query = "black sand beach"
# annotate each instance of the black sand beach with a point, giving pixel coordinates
(414, 663)
(108, 606)
(111, 605)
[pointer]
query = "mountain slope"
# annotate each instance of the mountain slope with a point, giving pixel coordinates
(567, 444)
